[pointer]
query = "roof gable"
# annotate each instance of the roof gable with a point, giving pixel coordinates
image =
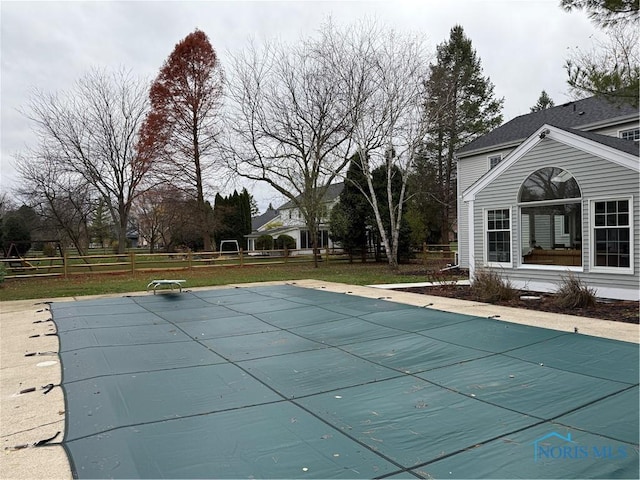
(333, 191)
(588, 142)
(583, 114)
(266, 217)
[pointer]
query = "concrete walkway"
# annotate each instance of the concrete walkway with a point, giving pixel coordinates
(31, 411)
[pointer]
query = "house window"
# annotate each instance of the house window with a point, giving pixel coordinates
(494, 160)
(498, 236)
(631, 134)
(551, 218)
(612, 234)
(306, 239)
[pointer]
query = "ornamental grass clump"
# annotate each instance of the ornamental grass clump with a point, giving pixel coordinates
(488, 286)
(573, 293)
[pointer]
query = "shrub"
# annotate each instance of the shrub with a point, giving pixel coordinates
(573, 293)
(488, 286)
(264, 242)
(285, 241)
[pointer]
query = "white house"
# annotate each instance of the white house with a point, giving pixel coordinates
(288, 220)
(553, 192)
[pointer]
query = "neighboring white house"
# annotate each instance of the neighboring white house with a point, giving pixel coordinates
(288, 220)
(552, 192)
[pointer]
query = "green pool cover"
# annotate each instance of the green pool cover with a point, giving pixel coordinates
(287, 382)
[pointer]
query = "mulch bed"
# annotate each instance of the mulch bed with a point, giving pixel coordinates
(615, 310)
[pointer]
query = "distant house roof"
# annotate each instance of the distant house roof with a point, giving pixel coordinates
(266, 217)
(334, 190)
(592, 111)
(273, 232)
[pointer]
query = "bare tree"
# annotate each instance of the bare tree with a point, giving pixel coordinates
(6, 203)
(62, 199)
(92, 131)
(167, 218)
(290, 122)
(383, 76)
(148, 210)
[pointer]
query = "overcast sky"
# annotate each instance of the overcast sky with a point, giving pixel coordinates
(522, 44)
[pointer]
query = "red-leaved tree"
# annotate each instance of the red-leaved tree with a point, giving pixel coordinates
(180, 130)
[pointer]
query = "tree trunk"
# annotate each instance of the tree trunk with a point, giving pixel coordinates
(314, 243)
(202, 207)
(393, 261)
(122, 221)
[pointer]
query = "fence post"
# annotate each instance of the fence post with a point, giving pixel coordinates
(241, 258)
(65, 262)
(190, 260)
(132, 260)
(326, 254)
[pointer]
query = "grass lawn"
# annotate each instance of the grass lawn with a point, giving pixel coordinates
(78, 285)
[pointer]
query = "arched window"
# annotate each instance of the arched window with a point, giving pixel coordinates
(549, 183)
(550, 218)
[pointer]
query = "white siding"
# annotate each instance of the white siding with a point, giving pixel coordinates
(598, 178)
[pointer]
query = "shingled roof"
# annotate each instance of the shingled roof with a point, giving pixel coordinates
(618, 143)
(333, 191)
(579, 114)
(260, 220)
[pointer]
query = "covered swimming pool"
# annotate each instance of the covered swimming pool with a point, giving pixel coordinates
(290, 382)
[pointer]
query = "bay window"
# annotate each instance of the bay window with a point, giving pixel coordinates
(306, 240)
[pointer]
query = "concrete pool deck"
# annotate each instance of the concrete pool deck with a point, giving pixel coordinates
(33, 416)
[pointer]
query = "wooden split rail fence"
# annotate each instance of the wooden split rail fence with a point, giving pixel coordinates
(140, 261)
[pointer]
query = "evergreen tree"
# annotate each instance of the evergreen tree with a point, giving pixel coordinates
(101, 227)
(606, 12)
(232, 216)
(352, 214)
(461, 106)
(247, 207)
(423, 208)
(544, 102)
(253, 204)
(17, 226)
